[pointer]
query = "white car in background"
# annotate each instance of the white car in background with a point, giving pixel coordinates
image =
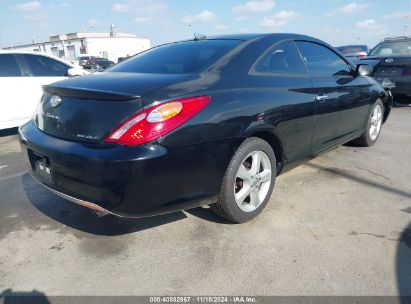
(22, 75)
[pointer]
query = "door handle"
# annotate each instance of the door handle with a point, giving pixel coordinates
(321, 98)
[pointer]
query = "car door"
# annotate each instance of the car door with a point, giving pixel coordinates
(42, 70)
(12, 85)
(341, 97)
(292, 112)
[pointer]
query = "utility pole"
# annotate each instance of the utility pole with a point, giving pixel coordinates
(406, 19)
(190, 29)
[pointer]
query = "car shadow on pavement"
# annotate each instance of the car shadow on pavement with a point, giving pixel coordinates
(8, 132)
(403, 264)
(9, 296)
(80, 218)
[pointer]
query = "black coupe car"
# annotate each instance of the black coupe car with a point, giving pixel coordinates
(391, 60)
(206, 121)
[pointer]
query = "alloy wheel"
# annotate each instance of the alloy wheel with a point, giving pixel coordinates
(253, 180)
(376, 122)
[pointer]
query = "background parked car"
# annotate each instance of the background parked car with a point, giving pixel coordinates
(120, 59)
(82, 60)
(391, 60)
(98, 64)
(354, 51)
(22, 75)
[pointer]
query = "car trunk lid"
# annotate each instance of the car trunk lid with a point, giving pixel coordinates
(88, 108)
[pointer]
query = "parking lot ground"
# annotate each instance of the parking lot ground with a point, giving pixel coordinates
(338, 225)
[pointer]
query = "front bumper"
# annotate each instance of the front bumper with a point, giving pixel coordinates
(128, 181)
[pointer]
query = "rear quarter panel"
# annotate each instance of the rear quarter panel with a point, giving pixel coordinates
(286, 105)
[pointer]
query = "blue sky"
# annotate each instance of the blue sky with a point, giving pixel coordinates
(335, 21)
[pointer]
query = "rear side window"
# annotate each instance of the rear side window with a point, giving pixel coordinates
(9, 66)
(42, 66)
(321, 61)
(282, 59)
(188, 57)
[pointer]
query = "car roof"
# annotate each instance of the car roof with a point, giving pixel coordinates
(400, 38)
(273, 36)
(246, 37)
(352, 45)
(37, 54)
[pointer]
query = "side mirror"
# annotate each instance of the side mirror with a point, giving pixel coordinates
(364, 70)
(76, 71)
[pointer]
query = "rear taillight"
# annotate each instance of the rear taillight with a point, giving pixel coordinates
(361, 56)
(157, 121)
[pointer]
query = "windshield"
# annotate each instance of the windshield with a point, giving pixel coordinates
(393, 48)
(188, 57)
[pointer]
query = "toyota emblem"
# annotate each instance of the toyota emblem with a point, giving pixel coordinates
(55, 101)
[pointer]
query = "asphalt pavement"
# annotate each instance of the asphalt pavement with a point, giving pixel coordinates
(338, 225)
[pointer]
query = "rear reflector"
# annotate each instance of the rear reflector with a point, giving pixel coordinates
(125, 127)
(157, 121)
(91, 206)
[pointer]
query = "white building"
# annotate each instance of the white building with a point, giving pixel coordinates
(108, 45)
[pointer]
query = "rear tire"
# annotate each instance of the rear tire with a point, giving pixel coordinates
(248, 182)
(374, 125)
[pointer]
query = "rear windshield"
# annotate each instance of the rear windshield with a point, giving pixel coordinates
(352, 49)
(392, 48)
(188, 57)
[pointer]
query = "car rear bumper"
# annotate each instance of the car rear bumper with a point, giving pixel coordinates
(127, 181)
(402, 84)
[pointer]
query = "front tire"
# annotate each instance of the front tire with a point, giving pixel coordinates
(248, 182)
(372, 132)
